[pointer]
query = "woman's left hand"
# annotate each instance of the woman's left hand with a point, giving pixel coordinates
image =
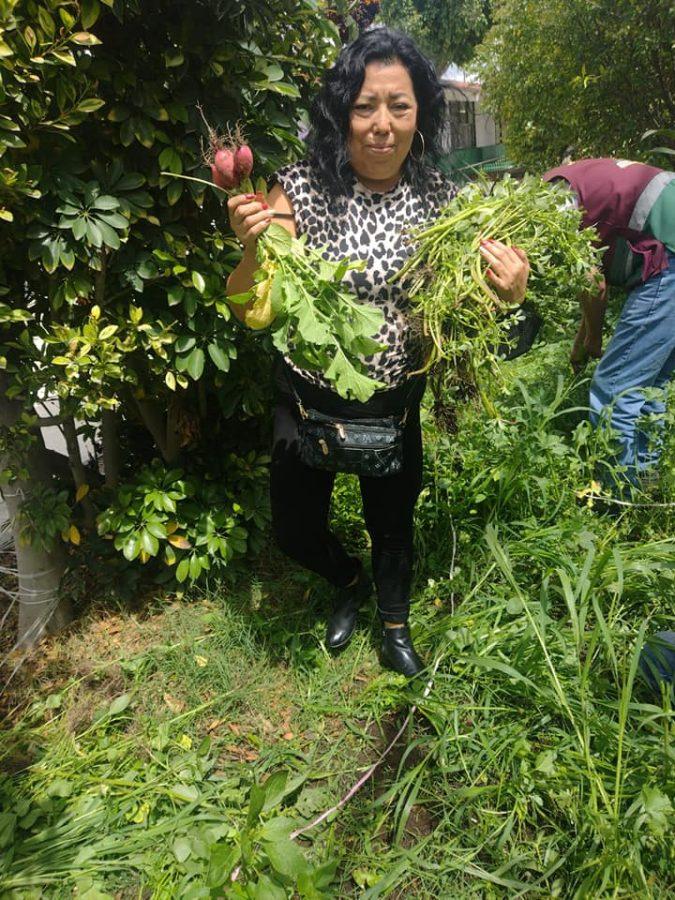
(508, 270)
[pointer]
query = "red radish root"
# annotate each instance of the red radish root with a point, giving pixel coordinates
(223, 162)
(228, 155)
(243, 161)
(217, 178)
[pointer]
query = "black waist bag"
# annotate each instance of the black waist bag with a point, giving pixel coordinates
(372, 447)
(361, 446)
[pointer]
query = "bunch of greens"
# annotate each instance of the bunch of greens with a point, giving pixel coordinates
(460, 313)
(315, 319)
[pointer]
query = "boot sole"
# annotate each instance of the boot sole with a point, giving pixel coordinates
(338, 646)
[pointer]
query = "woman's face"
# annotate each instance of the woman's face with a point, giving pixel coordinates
(383, 121)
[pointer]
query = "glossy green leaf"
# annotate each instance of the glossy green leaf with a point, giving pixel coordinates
(282, 87)
(109, 236)
(131, 547)
(107, 332)
(90, 11)
(119, 113)
(198, 282)
(115, 220)
(79, 228)
(91, 105)
(219, 357)
(184, 343)
(170, 161)
(183, 570)
(64, 56)
(106, 202)
(149, 542)
(195, 567)
(46, 22)
(195, 363)
(174, 192)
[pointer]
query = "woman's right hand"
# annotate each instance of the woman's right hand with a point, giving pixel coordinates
(249, 216)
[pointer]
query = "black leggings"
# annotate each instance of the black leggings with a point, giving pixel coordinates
(300, 499)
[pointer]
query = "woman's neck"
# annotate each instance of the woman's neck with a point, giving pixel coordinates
(379, 185)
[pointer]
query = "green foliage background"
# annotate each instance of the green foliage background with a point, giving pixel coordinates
(447, 32)
(121, 271)
(594, 74)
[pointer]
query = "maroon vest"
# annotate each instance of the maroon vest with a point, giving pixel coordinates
(616, 199)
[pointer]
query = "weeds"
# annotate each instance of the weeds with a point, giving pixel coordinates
(539, 765)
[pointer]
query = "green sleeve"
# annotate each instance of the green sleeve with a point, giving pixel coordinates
(661, 219)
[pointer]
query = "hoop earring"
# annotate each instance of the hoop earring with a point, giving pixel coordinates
(419, 158)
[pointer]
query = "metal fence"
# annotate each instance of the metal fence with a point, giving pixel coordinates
(467, 162)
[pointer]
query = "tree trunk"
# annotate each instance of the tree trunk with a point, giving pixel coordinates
(41, 610)
(172, 434)
(111, 447)
(162, 425)
(201, 393)
(39, 571)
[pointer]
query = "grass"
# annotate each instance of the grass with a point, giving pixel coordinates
(156, 753)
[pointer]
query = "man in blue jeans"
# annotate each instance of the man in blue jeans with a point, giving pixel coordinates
(632, 206)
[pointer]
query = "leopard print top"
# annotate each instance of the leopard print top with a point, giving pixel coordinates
(370, 226)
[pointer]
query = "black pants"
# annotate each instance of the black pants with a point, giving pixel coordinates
(300, 498)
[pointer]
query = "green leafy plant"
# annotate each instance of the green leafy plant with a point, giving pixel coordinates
(554, 73)
(447, 32)
(45, 518)
(297, 290)
(314, 318)
(226, 853)
(665, 152)
(459, 311)
(191, 524)
(118, 269)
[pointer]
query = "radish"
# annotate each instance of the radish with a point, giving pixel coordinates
(217, 177)
(243, 161)
(224, 163)
(228, 156)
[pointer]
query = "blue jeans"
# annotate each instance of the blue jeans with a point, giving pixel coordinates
(641, 354)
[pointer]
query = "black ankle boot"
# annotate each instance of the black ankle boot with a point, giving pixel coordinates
(342, 622)
(398, 652)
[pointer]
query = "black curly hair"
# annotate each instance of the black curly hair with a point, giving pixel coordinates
(329, 116)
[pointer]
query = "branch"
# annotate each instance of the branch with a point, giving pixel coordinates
(172, 434)
(155, 422)
(99, 279)
(77, 467)
(48, 422)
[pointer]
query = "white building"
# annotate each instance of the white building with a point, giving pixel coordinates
(473, 137)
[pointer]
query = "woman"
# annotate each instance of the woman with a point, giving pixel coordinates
(374, 134)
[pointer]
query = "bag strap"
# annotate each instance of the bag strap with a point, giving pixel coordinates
(406, 406)
(289, 382)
